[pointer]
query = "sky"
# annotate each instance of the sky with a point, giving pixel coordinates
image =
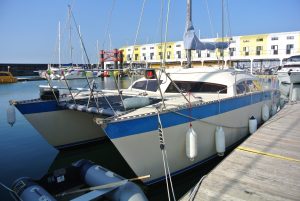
(29, 28)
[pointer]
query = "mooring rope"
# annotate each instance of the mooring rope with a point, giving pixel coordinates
(246, 149)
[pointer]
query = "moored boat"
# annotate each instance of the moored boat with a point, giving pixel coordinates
(289, 73)
(7, 77)
(205, 98)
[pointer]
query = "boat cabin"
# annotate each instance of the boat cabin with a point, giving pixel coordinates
(7, 77)
(205, 82)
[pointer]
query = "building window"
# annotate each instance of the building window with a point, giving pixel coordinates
(208, 54)
(136, 48)
(259, 39)
(231, 51)
(168, 55)
(178, 54)
(136, 57)
(246, 51)
(178, 45)
(274, 38)
(151, 48)
(144, 48)
(289, 48)
(290, 37)
(144, 56)
(160, 55)
(159, 47)
(128, 50)
(169, 46)
(151, 55)
(245, 41)
(128, 57)
(198, 53)
(221, 53)
(274, 49)
(258, 50)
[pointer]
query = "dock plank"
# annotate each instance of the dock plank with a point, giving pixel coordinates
(246, 175)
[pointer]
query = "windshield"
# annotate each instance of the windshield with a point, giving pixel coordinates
(200, 87)
(294, 58)
(148, 85)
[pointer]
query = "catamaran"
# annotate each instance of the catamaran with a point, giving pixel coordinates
(169, 121)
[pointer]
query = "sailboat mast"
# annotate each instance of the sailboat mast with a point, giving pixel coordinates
(59, 61)
(222, 49)
(70, 35)
(189, 20)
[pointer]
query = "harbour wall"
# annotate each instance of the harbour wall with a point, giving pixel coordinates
(23, 69)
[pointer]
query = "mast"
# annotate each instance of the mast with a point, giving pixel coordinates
(59, 61)
(70, 35)
(222, 49)
(189, 21)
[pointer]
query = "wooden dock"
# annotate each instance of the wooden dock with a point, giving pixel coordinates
(264, 167)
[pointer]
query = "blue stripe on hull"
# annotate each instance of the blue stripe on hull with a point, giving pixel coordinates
(149, 123)
(37, 106)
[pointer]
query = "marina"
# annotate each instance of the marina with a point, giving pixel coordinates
(264, 167)
(153, 119)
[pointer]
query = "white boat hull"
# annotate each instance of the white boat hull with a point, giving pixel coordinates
(142, 151)
(65, 128)
(289, 77)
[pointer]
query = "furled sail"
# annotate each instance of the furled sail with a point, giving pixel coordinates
(192, 42)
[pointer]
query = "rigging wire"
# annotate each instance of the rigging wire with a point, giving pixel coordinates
(137, 32)
(168, 177)
(135, 39)
(108, 24)
(210, 23)
(83, 46)
(166, 33)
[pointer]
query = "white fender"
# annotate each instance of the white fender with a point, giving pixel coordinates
(252, 125)
(191, 144)
(274, 109)
(11, 115)
(265, 112)
(220, 141)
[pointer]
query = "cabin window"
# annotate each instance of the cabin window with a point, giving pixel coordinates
(240, 88)
(148, 85)
(3, 74)
(197, 87)
(247, 86)
(294, 58)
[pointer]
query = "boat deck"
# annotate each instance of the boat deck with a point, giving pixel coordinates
(265, 167)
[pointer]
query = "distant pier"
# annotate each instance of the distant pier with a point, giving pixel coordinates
(265, 167)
